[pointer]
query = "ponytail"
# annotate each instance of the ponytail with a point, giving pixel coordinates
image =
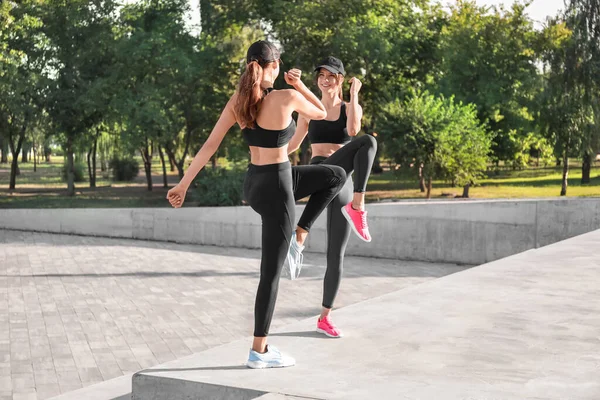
(250, 95)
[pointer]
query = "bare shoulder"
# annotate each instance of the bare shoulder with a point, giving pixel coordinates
(233, 99)
(285, 94)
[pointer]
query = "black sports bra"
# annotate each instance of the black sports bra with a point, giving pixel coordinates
(324, 131)
(269, 138)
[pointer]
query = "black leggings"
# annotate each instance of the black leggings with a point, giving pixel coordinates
(358, 155)
(270, 190)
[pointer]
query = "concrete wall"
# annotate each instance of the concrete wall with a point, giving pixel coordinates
(469, 232)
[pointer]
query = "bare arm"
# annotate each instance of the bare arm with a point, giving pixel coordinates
(304, 102)
(225, 122)
(354, 111)
(299, 135)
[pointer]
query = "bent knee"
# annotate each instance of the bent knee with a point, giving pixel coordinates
(368, 140)
(339, 173)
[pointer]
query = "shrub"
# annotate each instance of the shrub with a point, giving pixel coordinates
(219, 187)
(79, 169)
(124, 169)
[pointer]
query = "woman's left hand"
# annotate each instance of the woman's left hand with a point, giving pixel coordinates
(355, 85)
(176, 196)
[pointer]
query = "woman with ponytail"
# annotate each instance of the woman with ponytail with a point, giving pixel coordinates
(332, 143)
(271, 183)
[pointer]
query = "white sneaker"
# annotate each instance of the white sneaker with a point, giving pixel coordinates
(271, 359)
(294, 259)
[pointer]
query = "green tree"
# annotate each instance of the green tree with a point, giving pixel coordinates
(566, 115)
(440, 138)
(176, 84)
(80, 54)
(583, 18)
(21, 80)
(488, 58)
(3, 149)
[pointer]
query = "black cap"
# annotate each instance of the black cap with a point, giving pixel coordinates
(263, 52)
(332, 64)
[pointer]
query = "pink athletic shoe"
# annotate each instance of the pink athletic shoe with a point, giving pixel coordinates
(327, 327)
(358, 221)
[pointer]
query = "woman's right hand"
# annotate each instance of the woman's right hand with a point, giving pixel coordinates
(176, 195)
(292, 77)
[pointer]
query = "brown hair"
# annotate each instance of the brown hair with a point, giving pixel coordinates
(250, 95)
(341, 92)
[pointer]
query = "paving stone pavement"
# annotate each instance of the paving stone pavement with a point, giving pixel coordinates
(75, 310)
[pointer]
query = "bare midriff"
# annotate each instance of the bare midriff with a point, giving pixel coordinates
(266, 156)
(324, 149)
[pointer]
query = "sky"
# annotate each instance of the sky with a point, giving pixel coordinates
(538, 10)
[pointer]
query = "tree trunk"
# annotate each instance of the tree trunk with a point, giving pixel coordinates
(164, 166)
(3, 150)
(586, 167)
(15, 149)
(429, 185)
(421, 179)
(188, 139)
(89, 164)
(94, 159)
(70, 168)
(34, 157)
(47, 153)
(14, 170)
(179, 164)
(565, 176)
(91, 161)
(466, 188)
(172, 162)
(102, 160)
(147, 157)
(25, 153)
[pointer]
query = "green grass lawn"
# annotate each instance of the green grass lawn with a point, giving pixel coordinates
(46, 189)
(530, 183)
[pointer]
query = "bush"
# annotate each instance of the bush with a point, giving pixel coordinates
(124, 169)
(58, 151)
(79, 169)
(219, 187)
(444, 136)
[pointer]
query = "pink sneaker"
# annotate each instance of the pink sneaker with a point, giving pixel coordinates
(327, 327)
(358, 221)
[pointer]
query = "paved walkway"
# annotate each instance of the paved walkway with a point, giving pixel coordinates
(522, 328)
(75, 311)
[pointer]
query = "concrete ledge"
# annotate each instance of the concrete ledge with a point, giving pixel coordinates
(113, 389)
(525, 327)
(465, 232)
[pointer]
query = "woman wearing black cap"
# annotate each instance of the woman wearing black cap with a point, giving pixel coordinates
(332, 144)
(264, 115)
